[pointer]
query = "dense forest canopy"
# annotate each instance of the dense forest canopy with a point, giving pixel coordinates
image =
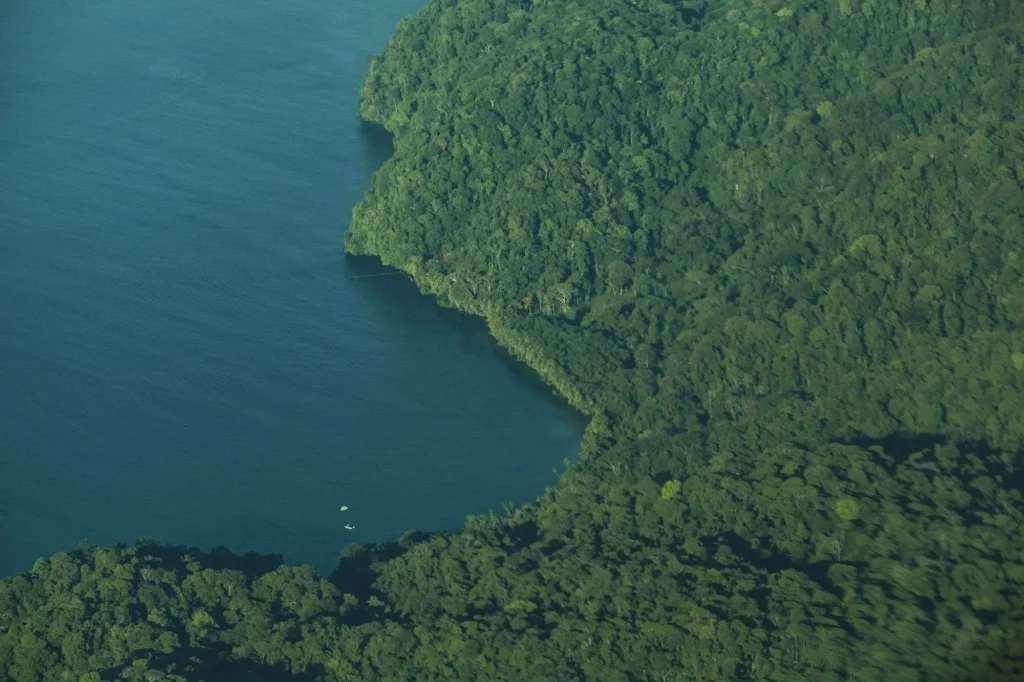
(775, 250)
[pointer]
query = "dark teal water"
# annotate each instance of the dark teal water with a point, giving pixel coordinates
(182, 352)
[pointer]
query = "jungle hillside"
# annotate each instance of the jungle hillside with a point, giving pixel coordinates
(774, 249)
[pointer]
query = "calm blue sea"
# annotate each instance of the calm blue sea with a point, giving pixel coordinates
(182, 352)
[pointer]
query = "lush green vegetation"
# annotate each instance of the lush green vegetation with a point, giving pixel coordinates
(775, 249)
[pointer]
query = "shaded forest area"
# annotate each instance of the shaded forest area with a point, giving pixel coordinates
(775, 250)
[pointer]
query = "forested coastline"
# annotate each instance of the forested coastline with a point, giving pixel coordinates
(775, 251)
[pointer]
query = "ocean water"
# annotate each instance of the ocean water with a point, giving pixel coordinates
(182, 351)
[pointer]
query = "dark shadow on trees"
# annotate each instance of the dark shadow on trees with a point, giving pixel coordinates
(900, 445)
(378, 144)
(694, 13)
(524, 535)
(253, 565)
(215, 664)
(355, 574)
(250, 563)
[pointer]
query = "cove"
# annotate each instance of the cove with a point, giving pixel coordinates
(182, 351)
